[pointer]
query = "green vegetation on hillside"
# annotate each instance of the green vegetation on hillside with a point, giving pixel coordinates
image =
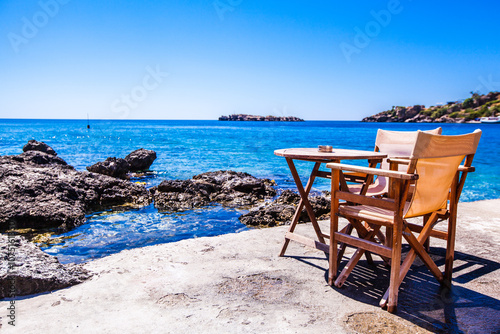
(468, 110)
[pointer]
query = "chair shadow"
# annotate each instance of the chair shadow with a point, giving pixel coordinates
(423, 301)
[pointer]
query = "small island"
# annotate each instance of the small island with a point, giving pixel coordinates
(245, 117)
(469, 110)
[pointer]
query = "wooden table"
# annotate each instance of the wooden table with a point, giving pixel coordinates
(313, 155)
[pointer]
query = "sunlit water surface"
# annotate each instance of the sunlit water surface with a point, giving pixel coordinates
(187, 148)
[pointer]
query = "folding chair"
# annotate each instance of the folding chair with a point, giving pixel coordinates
(393, 143)
(434, 173)
(396, 144)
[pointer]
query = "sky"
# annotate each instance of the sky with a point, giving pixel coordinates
(318, 60)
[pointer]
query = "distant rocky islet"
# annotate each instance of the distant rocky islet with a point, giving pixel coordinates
(256, 118)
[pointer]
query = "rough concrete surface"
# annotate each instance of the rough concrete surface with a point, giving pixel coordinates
(236, 283)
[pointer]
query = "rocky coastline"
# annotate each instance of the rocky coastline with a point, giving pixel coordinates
(40, 192)
(463, 111)
(255, 118)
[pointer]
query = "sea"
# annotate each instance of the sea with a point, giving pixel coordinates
(189, 147)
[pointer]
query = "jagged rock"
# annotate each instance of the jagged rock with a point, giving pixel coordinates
(180, 195)
(34, 145)
(412, 111)
(39, 158)
(115, 167)
(140, 160)
(52, 195)
(281, 211)
(228, 188)
(26, 270)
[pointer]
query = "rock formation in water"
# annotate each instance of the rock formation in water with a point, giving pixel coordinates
(39, 190)
(115, 167)
(137, 161)
(140, 160)
(244, 117)
(228, 188)
(26, 270)
(281, 211)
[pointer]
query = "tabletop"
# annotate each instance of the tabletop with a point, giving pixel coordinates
(313, 154)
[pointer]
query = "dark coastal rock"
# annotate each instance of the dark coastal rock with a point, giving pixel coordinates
(39, 158)
(281, 211)
(115, 167)
(245, 117)
(180, 195)
(53, 195)
(40, 146)
(26, 270)
(136, 161)
(140, 160)
(228, 188)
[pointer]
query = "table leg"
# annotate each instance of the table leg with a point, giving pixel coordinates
(304, 193)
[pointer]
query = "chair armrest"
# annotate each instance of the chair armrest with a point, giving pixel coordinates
(372, 171)
(399, 161)
(470, 169)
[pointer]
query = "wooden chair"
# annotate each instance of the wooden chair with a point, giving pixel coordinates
(396, 144)
(434, 172)
(393, 143)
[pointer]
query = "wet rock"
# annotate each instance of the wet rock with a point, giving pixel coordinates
(115, 167)
(26, 270)
(180, 195)
(52, 195)
(281, 211)
(228, 188)
(40, 146)
(140, 160)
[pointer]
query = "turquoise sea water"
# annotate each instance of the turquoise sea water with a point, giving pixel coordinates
(187, 148)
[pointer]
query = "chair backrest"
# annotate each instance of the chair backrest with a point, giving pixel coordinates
(437, 160)
(396, 144)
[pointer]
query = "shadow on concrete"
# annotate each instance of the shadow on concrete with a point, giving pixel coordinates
(424, 302)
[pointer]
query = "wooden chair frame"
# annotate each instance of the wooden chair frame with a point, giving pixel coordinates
(397, 227)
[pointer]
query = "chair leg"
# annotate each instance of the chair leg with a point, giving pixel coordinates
(452, 225)
(388, 241)
(354, 259)
(334, 227)
(427, 243)
(420, 251)
(411, 256)
(395, 265)
(368, 255)
(342, 246)
(450, 253)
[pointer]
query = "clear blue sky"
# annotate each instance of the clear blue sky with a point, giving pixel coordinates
(319, 60)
